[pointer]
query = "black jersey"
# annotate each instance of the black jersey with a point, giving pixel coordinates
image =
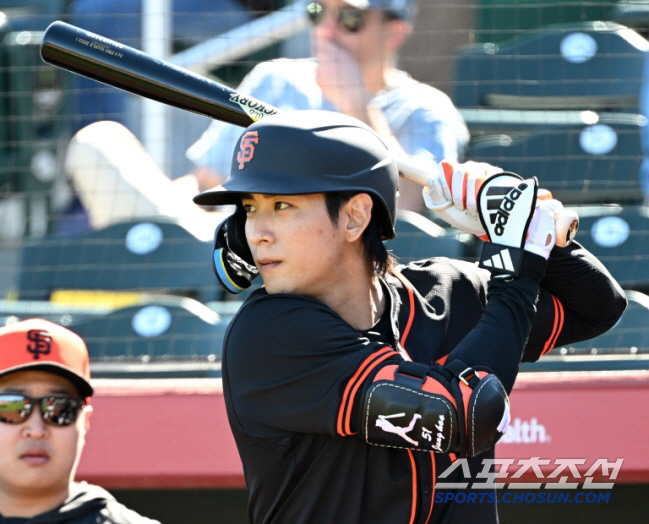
(295, 373)
(86, 504)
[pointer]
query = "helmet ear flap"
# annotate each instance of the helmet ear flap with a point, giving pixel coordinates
(232, 260)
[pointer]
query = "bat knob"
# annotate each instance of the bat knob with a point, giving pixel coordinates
(566, 225)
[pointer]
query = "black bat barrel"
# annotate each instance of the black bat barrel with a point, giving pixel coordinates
(118, 65)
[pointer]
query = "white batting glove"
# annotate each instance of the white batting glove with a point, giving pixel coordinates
(541, 233)
(457, 184)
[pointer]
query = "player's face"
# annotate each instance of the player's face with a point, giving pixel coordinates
(365, 45)
(38, 460)
(294, 243)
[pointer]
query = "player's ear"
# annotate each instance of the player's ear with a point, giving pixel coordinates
(358, 213)
(398, 31)
(87, 409)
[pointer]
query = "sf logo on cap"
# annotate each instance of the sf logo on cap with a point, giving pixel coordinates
(41, 342)
(247, 147)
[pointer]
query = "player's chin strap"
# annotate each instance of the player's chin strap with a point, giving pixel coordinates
(231, 258)
(444, 409)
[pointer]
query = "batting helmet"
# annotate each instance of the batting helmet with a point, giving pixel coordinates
(300, 152)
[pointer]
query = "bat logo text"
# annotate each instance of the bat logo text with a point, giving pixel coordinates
(254, 108)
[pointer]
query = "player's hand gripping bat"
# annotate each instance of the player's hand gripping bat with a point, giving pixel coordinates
(94, 56)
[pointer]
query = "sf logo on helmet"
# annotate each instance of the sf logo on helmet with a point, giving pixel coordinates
(247, 147)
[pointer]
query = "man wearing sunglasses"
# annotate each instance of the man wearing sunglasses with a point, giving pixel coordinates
(355, 45)
(44, 417)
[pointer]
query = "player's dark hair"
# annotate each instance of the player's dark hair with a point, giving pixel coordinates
(375, 249)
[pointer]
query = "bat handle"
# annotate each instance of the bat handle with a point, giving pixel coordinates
(566, 225)
(413, 172)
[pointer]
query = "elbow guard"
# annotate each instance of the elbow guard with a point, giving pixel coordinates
(443, 409)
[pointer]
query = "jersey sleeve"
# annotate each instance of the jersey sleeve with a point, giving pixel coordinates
(579, 300)
(293, 365)
(497, 339)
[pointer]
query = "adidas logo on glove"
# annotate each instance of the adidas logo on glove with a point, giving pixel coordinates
(506, 204)
(497, 259)
(503, 199)
(501, 260)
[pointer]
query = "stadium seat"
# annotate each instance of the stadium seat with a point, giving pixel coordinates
(580, 164)
(417, 238)
(518, 122)
(632, 13)
(619, 237)
(589, 65)
(33, 131)
(140, 257)
(171, 330)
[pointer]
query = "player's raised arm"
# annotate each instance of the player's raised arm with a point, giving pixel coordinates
(465, 399)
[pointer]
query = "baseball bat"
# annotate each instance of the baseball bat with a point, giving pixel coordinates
(88, 54)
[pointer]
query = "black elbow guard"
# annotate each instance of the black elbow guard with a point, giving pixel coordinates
(443, 409)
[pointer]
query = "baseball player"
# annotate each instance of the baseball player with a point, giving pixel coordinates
(352, 382)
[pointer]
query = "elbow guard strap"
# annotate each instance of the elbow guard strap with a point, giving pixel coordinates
(443, 409)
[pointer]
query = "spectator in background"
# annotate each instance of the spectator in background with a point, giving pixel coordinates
(44, 417)
(353, 71)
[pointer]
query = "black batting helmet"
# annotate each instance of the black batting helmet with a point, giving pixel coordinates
(300, 152)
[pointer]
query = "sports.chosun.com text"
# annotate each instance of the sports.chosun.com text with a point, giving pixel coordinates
(523, 497)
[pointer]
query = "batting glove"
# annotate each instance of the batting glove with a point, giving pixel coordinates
(457, 185)
(506, 207)
(541, 235)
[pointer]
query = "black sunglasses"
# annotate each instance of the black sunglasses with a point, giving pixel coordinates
(56, 411)
(349, 18)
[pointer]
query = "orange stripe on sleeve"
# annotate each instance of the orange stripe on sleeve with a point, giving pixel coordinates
(434, 482)
(354, 383)
(413, 511)
(557, 326)
(547, 346)
(411, 317)
(411, 312)
(359, 382)
(561, 319)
